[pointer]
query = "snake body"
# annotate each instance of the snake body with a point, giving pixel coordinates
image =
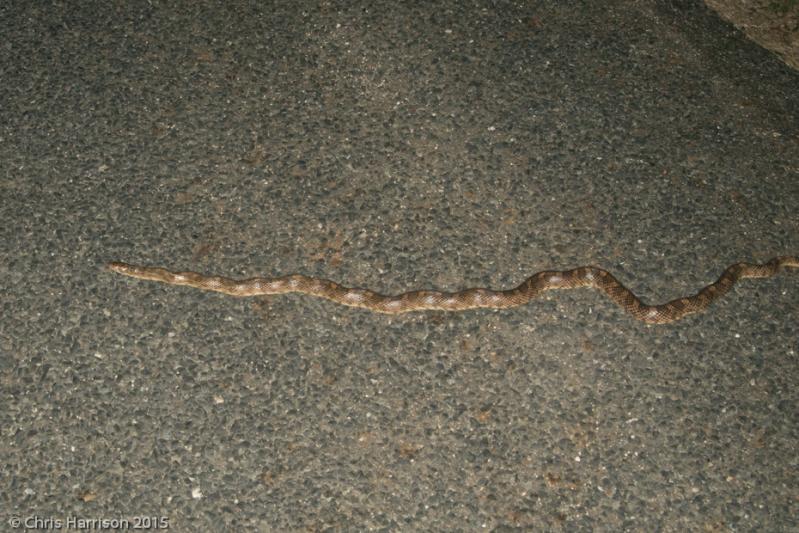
(531, 288)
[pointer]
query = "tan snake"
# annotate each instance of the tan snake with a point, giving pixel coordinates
(585, 276)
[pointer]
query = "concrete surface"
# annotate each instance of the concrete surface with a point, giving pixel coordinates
(394, 147)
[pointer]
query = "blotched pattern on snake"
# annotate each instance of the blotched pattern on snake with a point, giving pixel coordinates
(532, 287)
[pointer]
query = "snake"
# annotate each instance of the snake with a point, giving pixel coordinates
(473, 298)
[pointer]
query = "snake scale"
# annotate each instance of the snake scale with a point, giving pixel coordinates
(532, 287)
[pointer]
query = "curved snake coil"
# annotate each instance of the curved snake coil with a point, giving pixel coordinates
(585, 276)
